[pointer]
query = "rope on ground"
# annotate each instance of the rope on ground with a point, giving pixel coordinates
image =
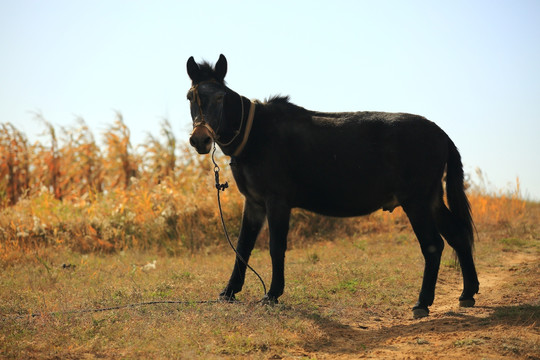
(110, 308)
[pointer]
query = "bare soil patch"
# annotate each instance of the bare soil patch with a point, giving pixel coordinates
(503, 324)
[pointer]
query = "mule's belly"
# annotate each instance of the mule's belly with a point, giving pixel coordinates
(339, 211)
(345, 201)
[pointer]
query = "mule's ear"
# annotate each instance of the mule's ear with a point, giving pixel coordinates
(192, 69)
(221, 68)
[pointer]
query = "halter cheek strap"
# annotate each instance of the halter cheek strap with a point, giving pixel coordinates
(195, 91)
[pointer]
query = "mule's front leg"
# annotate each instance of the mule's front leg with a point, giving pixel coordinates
(278, 225)
(252, 221)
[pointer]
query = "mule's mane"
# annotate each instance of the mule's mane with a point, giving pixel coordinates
(280, 102)
(277, 99)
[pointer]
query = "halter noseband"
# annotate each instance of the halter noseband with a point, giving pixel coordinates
(215, 136)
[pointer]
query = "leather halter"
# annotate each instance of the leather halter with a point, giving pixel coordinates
(215, 136)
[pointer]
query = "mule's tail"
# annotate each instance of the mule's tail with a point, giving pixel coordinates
(455, 192)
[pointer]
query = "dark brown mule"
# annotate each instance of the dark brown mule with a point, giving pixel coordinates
(338, 164)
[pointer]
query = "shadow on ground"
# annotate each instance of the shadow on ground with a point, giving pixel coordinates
(343, 339)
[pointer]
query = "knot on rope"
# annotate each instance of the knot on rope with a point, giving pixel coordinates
(219, 187)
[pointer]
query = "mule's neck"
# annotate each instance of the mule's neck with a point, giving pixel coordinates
(238, 115)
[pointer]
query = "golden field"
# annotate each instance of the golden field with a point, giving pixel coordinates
(80, 222)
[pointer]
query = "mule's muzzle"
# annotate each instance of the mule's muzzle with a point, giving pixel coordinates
(201, 139)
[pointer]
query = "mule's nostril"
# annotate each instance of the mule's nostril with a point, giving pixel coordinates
(207, 141)
(191, 141)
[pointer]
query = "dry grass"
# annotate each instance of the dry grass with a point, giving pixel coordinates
(344, 298)
(78, 237)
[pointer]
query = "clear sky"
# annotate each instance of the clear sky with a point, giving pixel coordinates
(473, 67)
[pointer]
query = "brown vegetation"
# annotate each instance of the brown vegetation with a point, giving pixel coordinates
(80, 222)
(72, 192)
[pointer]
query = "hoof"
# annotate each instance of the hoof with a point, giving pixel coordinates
(467, 302)
(269, 300)
(420, 312)
(227, 298)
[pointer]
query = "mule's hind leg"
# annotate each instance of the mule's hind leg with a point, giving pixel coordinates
(457, 237)
(431, 243)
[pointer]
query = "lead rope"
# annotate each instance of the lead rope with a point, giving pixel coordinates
(222, 187)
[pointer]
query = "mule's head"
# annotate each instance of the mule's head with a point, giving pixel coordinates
(207, 97)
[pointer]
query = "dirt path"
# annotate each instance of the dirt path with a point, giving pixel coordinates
(503, 324)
